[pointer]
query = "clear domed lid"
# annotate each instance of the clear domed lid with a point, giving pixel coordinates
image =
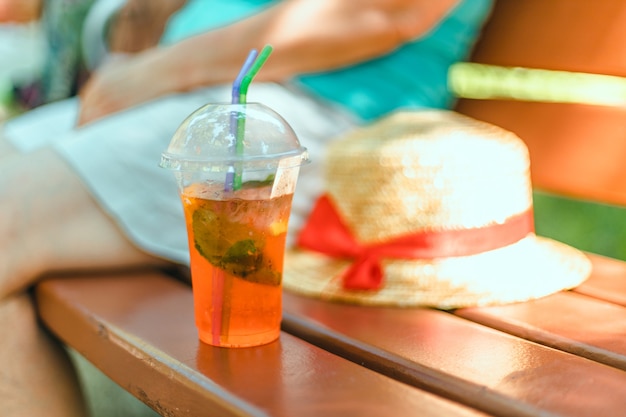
(218, 136)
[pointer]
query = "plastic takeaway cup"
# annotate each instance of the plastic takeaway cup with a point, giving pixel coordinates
(237, 166)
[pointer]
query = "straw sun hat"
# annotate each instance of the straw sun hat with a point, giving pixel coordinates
(428, 208)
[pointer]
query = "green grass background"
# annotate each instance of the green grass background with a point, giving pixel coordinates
(589, 226)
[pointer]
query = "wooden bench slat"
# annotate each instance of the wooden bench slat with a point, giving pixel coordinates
(138, 329)
(607, 282)
(444, 353)
(576, 323)
(598, 334)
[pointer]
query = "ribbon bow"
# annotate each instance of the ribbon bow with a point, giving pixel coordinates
(326, 233)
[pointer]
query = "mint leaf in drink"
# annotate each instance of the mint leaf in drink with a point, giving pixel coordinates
(269, 180)
(213, 239)
(208, 241)
(265, 275)
(242, 259)
(245, 260)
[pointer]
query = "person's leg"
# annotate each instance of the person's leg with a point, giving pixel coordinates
(36, 377)
(48, 223)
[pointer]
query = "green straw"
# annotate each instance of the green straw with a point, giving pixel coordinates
(241, 120)
(228, 182)
(254, 69)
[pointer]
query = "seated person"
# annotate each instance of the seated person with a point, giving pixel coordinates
(81, 187)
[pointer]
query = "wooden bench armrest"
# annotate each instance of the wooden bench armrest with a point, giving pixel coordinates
(138, 329)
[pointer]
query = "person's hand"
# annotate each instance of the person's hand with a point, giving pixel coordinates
(132, 74)
(139, 24)
(121, 83)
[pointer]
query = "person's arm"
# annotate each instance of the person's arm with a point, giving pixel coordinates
(307, 36)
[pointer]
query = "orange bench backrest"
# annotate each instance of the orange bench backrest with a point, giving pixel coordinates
(576, 149)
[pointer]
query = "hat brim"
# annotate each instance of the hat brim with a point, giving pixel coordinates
(531, 268)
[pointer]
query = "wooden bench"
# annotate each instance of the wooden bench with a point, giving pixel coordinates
(561, 355)
(539, 358)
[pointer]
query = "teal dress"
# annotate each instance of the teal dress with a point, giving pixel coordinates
(413, 76)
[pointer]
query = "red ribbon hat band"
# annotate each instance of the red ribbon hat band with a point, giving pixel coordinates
(325, 232)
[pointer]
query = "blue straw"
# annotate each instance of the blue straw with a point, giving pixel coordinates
(242, 73)
(243, 94)
(230, 175)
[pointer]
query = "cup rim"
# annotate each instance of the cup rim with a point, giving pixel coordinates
(289, 159)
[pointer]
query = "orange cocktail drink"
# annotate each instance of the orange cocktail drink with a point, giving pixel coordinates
(236, 245)
(236, 167)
